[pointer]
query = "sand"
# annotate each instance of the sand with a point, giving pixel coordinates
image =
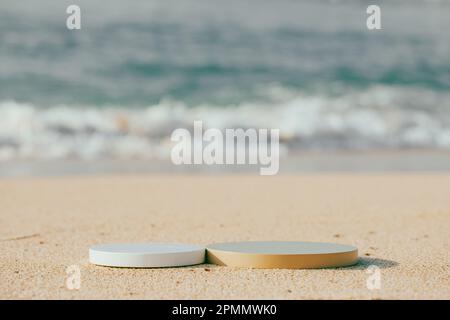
(400, 224)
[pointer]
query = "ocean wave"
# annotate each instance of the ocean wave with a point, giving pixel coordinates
(376, 118)
(216, 52)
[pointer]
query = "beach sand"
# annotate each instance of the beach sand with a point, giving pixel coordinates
(399, 222)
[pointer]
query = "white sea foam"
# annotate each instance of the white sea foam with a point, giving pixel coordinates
(379, 117)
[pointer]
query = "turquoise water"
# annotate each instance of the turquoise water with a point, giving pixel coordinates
(310, 68)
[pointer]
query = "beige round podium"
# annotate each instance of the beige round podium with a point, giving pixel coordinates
(281, 255)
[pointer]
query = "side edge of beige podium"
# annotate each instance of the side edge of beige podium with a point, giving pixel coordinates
(285, 261)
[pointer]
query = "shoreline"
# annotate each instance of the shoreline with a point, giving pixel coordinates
(294, 163)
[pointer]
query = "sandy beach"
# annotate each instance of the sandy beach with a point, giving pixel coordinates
(400, 223)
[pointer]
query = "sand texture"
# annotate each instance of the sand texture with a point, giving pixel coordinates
(400, 223)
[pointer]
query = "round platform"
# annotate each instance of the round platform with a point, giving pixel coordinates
(281, 255)
(146, 255)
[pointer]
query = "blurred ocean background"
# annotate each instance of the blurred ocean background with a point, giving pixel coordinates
(137, 70)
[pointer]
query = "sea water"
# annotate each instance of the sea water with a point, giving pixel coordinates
(136, 71)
